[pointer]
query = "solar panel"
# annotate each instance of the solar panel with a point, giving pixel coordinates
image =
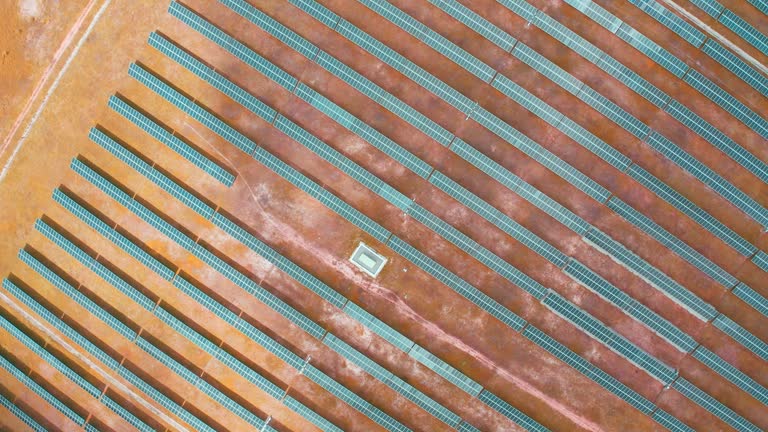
(76, 295)
(741, 27)
(310, 415)
(113, 235)
(511, 412)
(48, 357)
(281, 262)
(540, 154)
(519, 186)
(561, 122)
(41, 391)
(232, 45)
(95, 266)
(731, 374)
(151, 173)
(493, 261)
(588, 369)
(164, 401)
(606, 335)
(736, 65)
(658, 279)
(220, 354)
(371, 135)
(696, 213)
(459, 285)
(379, 327)
(258, 292)
(172, 141)
(126, 200)
(667, 420)
(638, 84)
(125, 414)
(711, 7)
(752, 298)
(466, 427)
(501, 220)
(630, 306)
(476, 23)
(432, 38)
(742, 336)
(23, 416)
(761, 260)
(445, 370)
(275, 164)
(672, 21)
(354, 400)
(342, 162)
(380, 96)
(199, 383)
(728, 102)
(673, 243)
(281, 32)
(714, 406)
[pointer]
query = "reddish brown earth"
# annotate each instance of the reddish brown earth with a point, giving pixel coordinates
(38, 39)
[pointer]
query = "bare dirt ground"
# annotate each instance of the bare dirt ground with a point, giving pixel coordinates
(31, 34)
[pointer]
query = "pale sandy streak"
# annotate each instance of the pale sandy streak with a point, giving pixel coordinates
(715, 35)
(109, 379)
(48, 71)
(373, 286)
(44, 79)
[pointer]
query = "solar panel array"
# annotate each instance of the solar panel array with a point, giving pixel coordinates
(189, 292)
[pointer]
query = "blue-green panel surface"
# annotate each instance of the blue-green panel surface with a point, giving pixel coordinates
(76, 295)
(445, 370)
(374, 137)
(606, 335)
(744, 29)
(310, 415)
(112, 234)
(257, 291)
(459, 285)
(630, 306)
(264, 157)
(493, 261)
(695, 212)
(151, 173)
(125, 414)
(752, 297)
(41, 391)
(660, 280)
(752, 342)
(667, 420)
(172, 141)
(276, 29)
(431, 38)
(519, 186)
(501, 220)
(732, 374)
(164, 401)
(673, 243)
(588, 369)
(94, 265)
(136, 207)
(281, 262)
(540, 154)
(353, 400)
(49, 358)
(23, 416)
(232, 45)
(511, 412)
(714, 406)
